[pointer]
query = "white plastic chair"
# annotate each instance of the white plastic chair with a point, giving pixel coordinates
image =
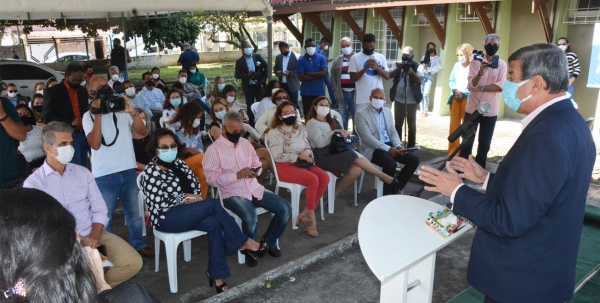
(162, 122)
(171, 241)
(336, 115)
(331, 192)
(295, 189)
(378, 182)
(141, 204)
(254, 109)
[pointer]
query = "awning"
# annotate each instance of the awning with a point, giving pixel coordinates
(92, 9)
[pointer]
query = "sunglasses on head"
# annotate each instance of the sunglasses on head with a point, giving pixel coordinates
(292, 113)
(165, 148)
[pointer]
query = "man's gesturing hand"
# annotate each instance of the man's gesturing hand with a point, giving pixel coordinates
(471, 170)
(442, 182)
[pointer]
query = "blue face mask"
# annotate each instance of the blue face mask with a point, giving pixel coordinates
(118, 95)
(175, 102)
(248, 51)
(509, 92)
(221, 86)
(220, 115)
(168, 156)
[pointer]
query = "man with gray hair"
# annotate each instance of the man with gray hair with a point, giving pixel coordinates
(231, 164)
(75, 188)
(529, 221)
(187, 57)
(485, 85)
(114, 76)
(342, 85)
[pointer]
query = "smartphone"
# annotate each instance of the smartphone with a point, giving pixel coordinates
(371, 57)
(102, 250)
(256, 169)
(495, 59)
(410, 149)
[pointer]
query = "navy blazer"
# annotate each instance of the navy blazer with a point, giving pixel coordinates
(530, 218)
(57, 104)
(241, 71)
(292, 81)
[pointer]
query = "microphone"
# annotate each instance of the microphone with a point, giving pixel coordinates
(483, 109)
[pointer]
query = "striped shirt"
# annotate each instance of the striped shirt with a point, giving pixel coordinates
(223, 161)
(574, 67)
(347, 84)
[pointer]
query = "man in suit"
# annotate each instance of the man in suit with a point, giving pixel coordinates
(380, 142)
(530, 218)
(252, 69)
(285, 69)
(66, 102)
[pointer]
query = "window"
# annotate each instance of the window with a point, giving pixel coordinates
(24, 72)
(420, 20)
(582, 12)
(346, 31)
(386, 42)
(314, 32)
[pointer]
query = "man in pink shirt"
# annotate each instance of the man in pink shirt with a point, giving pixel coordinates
(231, 164)
(485, 85)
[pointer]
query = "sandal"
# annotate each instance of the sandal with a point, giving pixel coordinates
(302, 221)
(220, 288)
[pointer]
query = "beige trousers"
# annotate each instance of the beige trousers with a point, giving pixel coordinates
(127, 261)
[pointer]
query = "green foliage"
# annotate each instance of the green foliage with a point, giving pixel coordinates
(233, 25)
(167, 32)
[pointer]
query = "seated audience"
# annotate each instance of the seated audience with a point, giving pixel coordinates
(39, 88)
(140, 141)
(346, 165)
(88, 73)
(51, 82)
(12, 94)
(37, 104)
(158, 82)
(196, 77)
(31, 148)
(263, 124)
(173, 102)
(173, 198)
(49, 261)
(217, 111)
(192, 93)
(232, 165)
(229, 94)
(155, 97)
(137, 100)
(380, 143)
(289, 145)
(266, 101)
(114, 76)
(75, 188)
(218, 87)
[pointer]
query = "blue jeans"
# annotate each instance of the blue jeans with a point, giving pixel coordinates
(571, 88)
(486, 133)
(245, 209)
(123, 186)
(330, 91)
(207, 111)
(124, 74)
(425, 88)
(348, 108)
(224, 236)
(81, 147)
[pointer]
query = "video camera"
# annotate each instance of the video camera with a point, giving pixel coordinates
(109, 103)
(406, 65)
(480, 55)
(253, 76)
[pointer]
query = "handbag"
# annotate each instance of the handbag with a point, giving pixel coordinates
(339, 143)
(304, 164)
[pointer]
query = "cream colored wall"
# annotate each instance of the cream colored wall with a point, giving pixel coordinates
(580, 38)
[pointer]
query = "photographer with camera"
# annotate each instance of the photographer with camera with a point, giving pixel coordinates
(406, 91)
(487, 74)
(252, 70)
(107, 126)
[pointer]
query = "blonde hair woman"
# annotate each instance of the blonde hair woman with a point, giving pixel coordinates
(458, 84)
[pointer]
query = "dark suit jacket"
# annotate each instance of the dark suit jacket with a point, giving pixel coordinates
(530, 219)
(241, 70)
(292, 81)
(57, 104)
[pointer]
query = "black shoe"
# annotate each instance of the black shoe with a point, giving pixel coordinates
(274, 252)
(263, 248)
(220, 288)
(251, 257)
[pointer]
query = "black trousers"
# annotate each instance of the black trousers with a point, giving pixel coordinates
(489, 300)
(306, 104)
(252, 95)
(388, 165)
(401, 111)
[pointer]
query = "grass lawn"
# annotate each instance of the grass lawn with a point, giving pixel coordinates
(169, 73)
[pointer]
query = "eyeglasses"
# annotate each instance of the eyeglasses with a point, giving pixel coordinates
(174, 97)
(12, 91)
(165, 148)
(284, 114)
(281, 98)
(324, 105)
(235, 132)
(561, 44)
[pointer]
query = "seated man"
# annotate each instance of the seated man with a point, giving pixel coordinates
(232, 165)
(12, 95)
(75, 188)
(380, 142)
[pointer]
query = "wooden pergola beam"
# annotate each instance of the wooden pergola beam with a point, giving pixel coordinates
(384, 12)
(290, 26)
(478, 7)
(540, 6)
(427, 10)
(351, 22)
(319, 24)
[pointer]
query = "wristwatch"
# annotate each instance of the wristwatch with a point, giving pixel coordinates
(136, 113)
(482, 87)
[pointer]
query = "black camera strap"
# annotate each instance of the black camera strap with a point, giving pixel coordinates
(116, 127)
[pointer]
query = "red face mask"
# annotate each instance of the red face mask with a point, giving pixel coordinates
(89, 75)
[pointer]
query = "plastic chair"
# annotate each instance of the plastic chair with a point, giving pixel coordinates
(295, 189)
(336, 115)
(162, 122)
(378, 182)
(331, 191)
(141, 203)
(254, 109)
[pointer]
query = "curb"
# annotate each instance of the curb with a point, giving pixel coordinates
(285, 270)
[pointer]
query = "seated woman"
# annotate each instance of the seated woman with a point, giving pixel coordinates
(218, 87)
(196, 77)
(158, 82)
(32, 148)
(289, 145)
(266, 101)
(346, 165)
(39, 88)
(37, 104)
(173, 198)
(263, 124)
(140, 141)
(217, 110)
(229, 93)
(51, 82)
(173, 102)
(47, 261)
(186, 125)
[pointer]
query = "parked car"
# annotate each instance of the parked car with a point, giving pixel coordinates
(26, 74)
(69, 57)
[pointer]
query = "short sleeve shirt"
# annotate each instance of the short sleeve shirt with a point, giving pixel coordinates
(187, 57)
(312, 65)
(370, 80)
(10, 167)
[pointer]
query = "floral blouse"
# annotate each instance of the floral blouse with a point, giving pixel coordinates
(162, 191)
(192, 141)
(285, 143)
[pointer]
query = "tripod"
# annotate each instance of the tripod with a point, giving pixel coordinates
(468, 136)
(405, 123)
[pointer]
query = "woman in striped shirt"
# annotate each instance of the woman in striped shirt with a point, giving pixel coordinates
(574, 67)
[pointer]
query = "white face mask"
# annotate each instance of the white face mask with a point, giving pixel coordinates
(326, 47)
(41, 92)
(563, 47)
(230, 99)
(83, 83)
(193, 71)
(183, 80)
(462, 59)
(347, 50)
(12, 95)
(322, 111)
(274, 90)
(115, 77)
(65, 154)
(311, 50)
(130, 91)
(377, 103)
(196, 123)
(155, 76)
(144, 121)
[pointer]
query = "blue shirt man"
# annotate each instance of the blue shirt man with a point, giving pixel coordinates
(311, 70)
(251, 67)
(188, 56)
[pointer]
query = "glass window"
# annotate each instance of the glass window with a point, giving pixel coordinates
(24, 72)
(386, 42)
(346, 31)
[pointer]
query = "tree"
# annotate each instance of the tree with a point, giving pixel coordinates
(166, 32)
(233, 25)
